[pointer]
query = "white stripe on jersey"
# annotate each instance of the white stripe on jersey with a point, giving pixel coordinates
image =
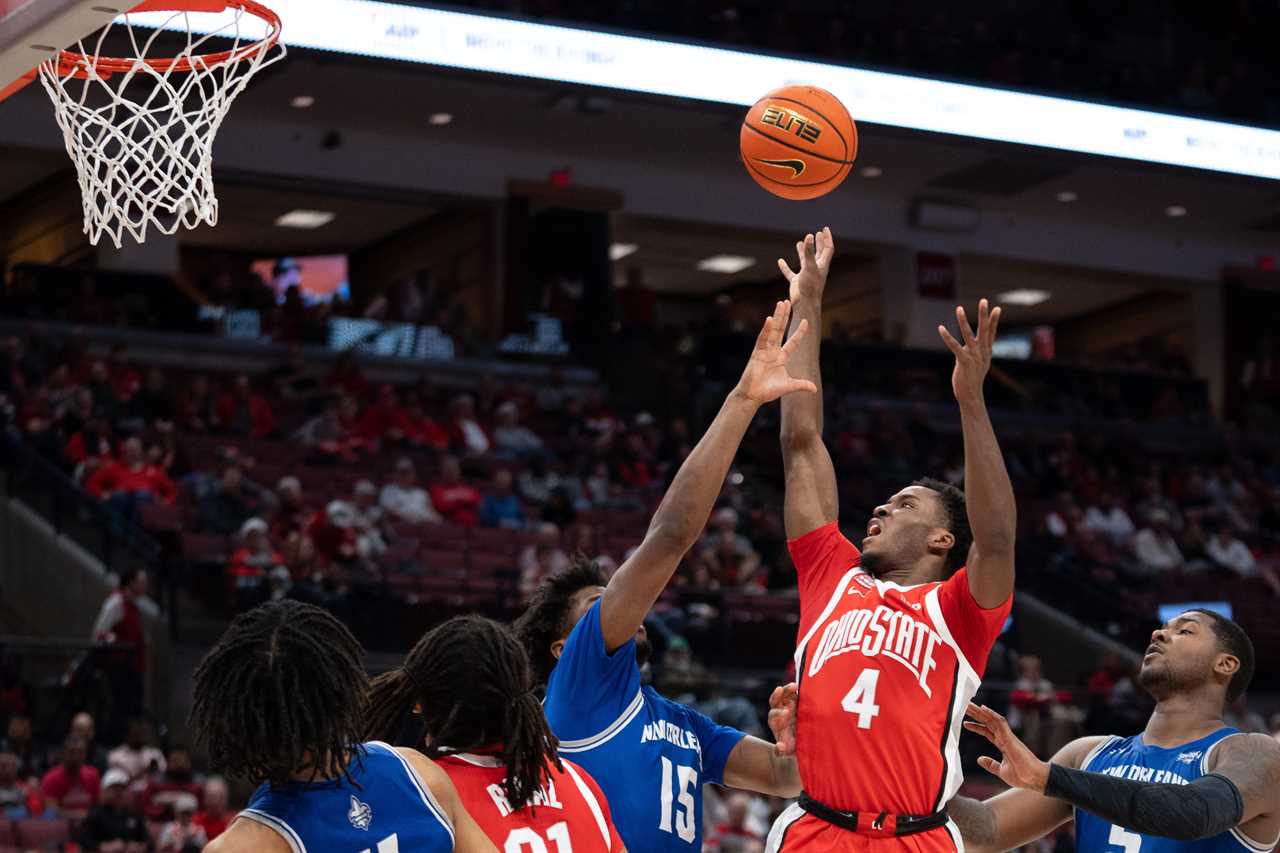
(592, 803)
(778, 833)
(283, 829)
(424, 791)
(966, 685)
(587, 743)
(826, 611)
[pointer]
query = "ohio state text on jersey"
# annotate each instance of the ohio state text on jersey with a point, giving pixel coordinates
(885, 672)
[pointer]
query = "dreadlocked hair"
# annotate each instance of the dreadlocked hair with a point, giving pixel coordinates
(470, 679)
(547, 617)
(957, 521)
(281, 692)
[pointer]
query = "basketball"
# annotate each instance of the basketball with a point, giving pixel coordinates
(798, 142)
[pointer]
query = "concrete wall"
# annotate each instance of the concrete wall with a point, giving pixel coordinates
(50, 587)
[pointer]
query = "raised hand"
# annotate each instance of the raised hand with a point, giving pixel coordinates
(782, 718)
(765, 378)
(1019, 767)
(814, 254)
(973, 357)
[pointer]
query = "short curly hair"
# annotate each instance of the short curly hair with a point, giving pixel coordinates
(957, 520)
(547, 617)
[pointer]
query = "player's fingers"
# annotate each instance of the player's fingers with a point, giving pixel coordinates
(984, 312)
(791, 691)
(762, 340)
(993, 325)
(802, 386)
(979, 729)
(800, 253)
(989, 764)
(966, 331)
(775, 698)
(952, 343)
(810, 255)
(794, 341)
(781, 312)
(829, 246)
(785, 269)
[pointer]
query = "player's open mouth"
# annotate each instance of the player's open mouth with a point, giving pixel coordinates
(1153, 650)
(874, 528)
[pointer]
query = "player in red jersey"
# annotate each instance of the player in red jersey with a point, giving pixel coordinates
(893, 639)
(468, 688)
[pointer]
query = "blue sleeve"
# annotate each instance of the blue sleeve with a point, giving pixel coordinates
(590, 690)
(717, 742)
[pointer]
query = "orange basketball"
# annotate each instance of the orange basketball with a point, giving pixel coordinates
(798, 142)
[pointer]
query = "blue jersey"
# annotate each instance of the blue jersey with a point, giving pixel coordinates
(650, 756)
(391, 811)
(1130, 758)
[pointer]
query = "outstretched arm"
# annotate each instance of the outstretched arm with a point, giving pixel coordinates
(1243, 785)
(688, 502)
(812, 499)
(993, 517)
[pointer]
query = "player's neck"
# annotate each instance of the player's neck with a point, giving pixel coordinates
(1182, 718)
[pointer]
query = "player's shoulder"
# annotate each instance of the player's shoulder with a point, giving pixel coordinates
(1251, 747)
(248, 836)
(1077, 752)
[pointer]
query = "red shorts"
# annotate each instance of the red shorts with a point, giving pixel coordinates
(795, 830)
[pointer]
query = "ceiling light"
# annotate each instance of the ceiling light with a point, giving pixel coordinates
(1175, 210)
(305, 218)
(871, 171)
(301, 102)
(439, 119)
(618, 251)
(728, 264)
(1024, 296)
(1067, 196)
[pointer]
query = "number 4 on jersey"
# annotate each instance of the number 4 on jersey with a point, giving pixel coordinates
(861, 698)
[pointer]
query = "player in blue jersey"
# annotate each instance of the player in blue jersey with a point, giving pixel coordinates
(585, 635)
(280, 699)
(1187, 784)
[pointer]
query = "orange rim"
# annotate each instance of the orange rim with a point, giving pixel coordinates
(70, 62)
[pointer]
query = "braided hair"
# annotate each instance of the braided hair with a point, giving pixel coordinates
(547, 617)
(471, 680)
(281, 692)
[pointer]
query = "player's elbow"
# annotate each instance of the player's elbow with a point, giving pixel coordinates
(799, 439)
(672, 537)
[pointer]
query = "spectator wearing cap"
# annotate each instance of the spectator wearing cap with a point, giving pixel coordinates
(1154, 545)
(111, 824)
(19, 798)
(455, 499)
(465, 431)
(368, 519)
(404, 500)
(182, 834)
(242, 411)
(501, 507)
(333, 533)
(251, 562)
(215, 817)
(72, 786)
(510, 437)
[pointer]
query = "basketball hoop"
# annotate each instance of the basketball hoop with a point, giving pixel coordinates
(140, 130)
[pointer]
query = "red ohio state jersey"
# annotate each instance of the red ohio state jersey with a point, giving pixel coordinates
(569, 814)
(885, 673)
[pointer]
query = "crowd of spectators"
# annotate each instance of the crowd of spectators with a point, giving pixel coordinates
(132, 798)
(1183, 58)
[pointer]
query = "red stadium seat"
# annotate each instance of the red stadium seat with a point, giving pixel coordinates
(161, 518)
(206, 547)
(42, 834)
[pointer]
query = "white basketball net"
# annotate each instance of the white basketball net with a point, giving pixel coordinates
(142, 140)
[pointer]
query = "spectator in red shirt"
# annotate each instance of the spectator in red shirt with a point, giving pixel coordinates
(736, 834)
(72, 786)
(250, 564)
(241, 411)
(215, 817)
(422, 429)
(385, 420)
(333, 532)
(454, 499)
(19, 798)
(126, 483)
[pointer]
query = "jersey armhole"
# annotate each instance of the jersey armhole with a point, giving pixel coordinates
(274, 823)
(1097, 748)
(592, 802)
(424, 790)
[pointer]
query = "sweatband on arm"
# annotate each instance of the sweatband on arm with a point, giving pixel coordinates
(1204, 808)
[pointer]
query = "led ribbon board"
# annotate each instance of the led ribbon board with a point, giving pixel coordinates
(653, 66)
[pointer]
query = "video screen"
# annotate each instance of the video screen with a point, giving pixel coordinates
(319, 278)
